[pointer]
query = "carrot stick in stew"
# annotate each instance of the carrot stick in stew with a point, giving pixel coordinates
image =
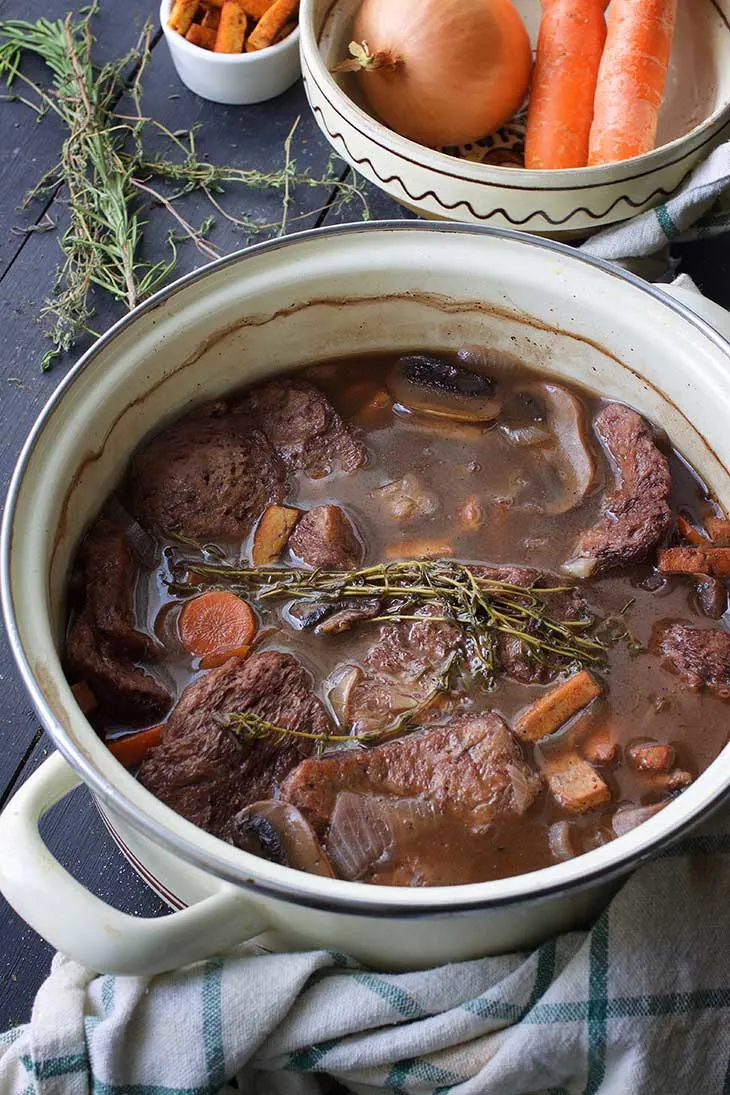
(548, 713)
(131, 750)
(216, 626)
(718, 529)
(569, 50)
(689, 533)
(631, 79)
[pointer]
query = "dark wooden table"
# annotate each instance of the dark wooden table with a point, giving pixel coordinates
(249, 137)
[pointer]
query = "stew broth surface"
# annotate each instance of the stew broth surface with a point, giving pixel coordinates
(482, 493)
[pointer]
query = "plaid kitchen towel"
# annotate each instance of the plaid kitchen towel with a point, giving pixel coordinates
(700, 209)
(639, 1005)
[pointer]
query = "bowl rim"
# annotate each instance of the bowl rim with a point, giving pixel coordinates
(582, 178)
(178, 41)
(192, 845)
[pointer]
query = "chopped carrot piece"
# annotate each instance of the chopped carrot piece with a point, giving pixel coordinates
(270, 23)
(548, 713)
(631, 79)
(689, 533)
(201, 36)
(84, 697)
(212, 661)
(718, 529)
(211, 18)
(216, 624)
(182, 15)
(132, 749)
(231, 33)
(600, 748)
(419, 549)
(256, 8)
(574, 784)
(719, 559)
(272, 534)
(683, 560)
(651, 757)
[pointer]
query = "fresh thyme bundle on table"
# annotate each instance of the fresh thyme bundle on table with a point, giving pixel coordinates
(104, 171)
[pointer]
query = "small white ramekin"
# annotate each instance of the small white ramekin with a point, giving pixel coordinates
(235, 79)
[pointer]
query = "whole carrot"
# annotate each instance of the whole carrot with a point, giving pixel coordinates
(569, 49)
(631, 79)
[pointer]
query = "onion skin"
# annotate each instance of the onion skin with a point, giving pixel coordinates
(445, 72)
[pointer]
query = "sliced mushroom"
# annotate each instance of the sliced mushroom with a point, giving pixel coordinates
(569, 450)
(278, 832)
(435, 386)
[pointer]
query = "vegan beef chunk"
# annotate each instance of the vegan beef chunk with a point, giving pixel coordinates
(636, 515)
(206, 477)
(208, 772)
(304, 428)
(472, 767)
(325, 538)
(103, 643)
(700, 657)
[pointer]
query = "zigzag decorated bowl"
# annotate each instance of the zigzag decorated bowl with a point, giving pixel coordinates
(484, 183)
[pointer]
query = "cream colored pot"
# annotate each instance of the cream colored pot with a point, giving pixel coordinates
(318, 295)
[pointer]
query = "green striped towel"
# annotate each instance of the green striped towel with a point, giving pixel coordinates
(700, 209)
(639, 1005)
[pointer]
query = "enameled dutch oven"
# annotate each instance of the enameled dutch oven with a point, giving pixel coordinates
(353, 289)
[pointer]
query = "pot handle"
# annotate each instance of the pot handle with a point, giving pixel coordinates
(717, 316)
(81, 925)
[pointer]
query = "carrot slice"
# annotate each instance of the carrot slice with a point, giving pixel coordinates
(216, 624)
(719, 559)
(132, 750)
(84, 697)
(683, 560)
(689, 533)
(569, 50)
(631, 79)
(548, 713)
(718, 529)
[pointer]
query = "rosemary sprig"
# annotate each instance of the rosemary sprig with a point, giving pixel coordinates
(105, 171)
(482, 607)
(254, 727)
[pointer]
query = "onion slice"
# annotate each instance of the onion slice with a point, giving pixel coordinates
(569, 453)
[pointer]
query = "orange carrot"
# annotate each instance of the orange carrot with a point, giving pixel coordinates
(84, 697)
(631, 79)
(718, 529)
(569, 49)
(683, 560)
(689, 533)
(131, 750)
(216, 626)
(548, 713)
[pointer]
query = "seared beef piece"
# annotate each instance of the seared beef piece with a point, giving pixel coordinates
(637, 514)
(103, 643)
(701, 657)
(109, 574)
(206, 771)
(472, 768)
(411, 648)
(206, 477)
(122, 688)
(326, 538)
(711, 596)
(304, 428)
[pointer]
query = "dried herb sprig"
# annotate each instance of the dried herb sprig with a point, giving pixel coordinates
(105, 171)
(254, 727)
(482, 607)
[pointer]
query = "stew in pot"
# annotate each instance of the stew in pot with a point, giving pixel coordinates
(418, 620)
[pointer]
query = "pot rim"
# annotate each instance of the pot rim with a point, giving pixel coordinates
(617, 857)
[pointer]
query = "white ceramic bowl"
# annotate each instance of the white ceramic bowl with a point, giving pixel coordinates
(560, 204)
(353, 289)
(235, 79)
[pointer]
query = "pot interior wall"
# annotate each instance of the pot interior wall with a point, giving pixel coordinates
(358, 290)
